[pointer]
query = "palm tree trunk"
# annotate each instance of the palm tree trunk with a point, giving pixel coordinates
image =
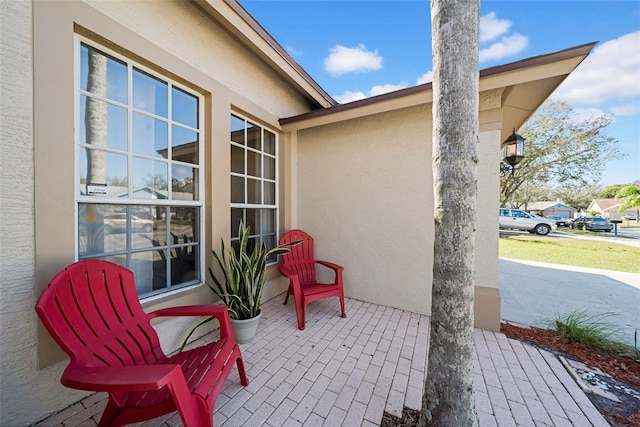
(449, 398)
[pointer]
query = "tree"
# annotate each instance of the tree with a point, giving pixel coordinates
(631, 196)
(576, 196)
(610, 192)
(448, 399)
(530, 192)
(562, 148)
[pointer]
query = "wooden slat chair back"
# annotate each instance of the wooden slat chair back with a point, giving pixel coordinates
(92, 311)
(299, 266)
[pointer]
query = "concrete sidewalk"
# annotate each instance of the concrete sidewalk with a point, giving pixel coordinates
(535, 293)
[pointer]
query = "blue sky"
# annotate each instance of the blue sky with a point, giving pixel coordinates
(356, 49)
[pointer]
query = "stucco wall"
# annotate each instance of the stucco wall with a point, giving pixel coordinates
(365, 195)
(365, 192)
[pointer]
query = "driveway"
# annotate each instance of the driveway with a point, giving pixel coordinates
(535, 293)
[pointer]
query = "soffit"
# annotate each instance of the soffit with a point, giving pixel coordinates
(526, 84)
(241, 25)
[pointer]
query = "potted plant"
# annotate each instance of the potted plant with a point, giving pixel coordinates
(242, 281)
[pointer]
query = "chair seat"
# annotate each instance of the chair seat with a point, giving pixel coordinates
(309, 289)
(203, 368)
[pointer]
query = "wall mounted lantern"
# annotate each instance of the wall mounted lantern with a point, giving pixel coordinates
(514, 150)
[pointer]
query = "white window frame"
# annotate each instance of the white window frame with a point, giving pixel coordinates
(276, 206)
(129, 201)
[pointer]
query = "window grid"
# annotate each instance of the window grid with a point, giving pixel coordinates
(260, 214)
(178, 246)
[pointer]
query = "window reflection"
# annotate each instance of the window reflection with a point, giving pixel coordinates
(109, 73)
(150, 136)
(184, 108)
(113, 135)
(102, 174)
(149, 179)
(184, 144)
(150, 94)
(184, 184)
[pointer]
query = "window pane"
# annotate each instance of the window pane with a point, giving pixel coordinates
(253, 136)
(149, 179)
(254, 191)
(183, 184)
(254, 163)
(269, 142)
(268, 221)
(102, 173)
(269, 193)
(269, 167)
(185, 264)
(253, 221)
(184, 145)
(150, 270)
(102, 124)
(150, 94)
(237, 189)
(236, 216)
(237, 129)
(184, 108)
(101, 229)
(237, 159)
(184, 224)
(102, 75)
(150, 136)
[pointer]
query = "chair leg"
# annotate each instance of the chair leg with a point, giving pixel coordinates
(344, 313)
(300, 314)
(289, 292)
(110, 414)
(243, 374)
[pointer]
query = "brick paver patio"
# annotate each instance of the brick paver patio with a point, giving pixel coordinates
(346, 372)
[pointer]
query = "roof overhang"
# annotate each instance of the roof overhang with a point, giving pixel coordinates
(526, 84)
(243, 27)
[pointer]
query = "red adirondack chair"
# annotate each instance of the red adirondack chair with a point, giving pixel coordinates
(299, 266)
(92, 310)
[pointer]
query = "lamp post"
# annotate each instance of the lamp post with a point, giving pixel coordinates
(514, 150)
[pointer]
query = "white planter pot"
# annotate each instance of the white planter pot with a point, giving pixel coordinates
(245, 329)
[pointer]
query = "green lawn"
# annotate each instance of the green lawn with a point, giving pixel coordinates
(567, 251)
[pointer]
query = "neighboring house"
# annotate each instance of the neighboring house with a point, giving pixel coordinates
(552, 208)
(198, 105)
(610, 208)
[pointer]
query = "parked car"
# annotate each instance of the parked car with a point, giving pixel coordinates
(592, 223)
(117, 223)
(560, 221)
(516, 219)
(629, 218)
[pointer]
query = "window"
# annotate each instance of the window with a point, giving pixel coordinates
(253, 182)
(139, 163)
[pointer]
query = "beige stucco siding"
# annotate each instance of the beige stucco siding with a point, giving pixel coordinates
(365, 192)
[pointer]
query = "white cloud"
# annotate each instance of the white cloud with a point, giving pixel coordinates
(425, 78)
(583, 114)
(492, 27)
(293, 51)
(342, 60)
(610, 73)
(507, 46)
(629, 109)
(380, 89)
(349, 96)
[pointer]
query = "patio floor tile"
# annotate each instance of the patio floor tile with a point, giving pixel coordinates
(348, 371)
